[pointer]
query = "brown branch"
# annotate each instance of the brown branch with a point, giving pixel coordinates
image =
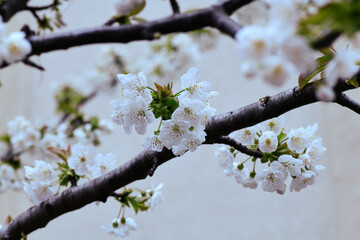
(238, 146)
(175, 6)
(213, 16)
(347, 102)
(10, 7)
(141, 166)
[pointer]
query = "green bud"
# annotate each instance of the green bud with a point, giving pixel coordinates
(240, 166)
(252, 174)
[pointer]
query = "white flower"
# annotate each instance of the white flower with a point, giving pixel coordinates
(194, 88)
(191, 142)
(343, 65)
(128, 7)
(298, 140)
(117, 115)
(272, 180)
(225, 157)
(190, 110)
(156, 196)
(291, 164)
(81, 159)
(38, 191)
(103, 164)
(172, 132)
(306, 178)
(268, 142)
(121, 227)
(133, 86)
(7, 173)
(277, 70)
(154, 143)
(316, 150)
(245, 136)
(137, 113)
(253, 42)
(274, 124)
(42, 172)
(16, 47)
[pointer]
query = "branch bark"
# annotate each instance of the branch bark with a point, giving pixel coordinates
(10, 7)
(346, 101)
(143, 164)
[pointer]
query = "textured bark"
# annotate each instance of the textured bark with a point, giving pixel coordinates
(10, 7)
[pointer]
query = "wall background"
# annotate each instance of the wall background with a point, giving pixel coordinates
(200, 201)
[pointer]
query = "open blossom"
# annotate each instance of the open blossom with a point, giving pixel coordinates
(305, 179)
(38, 191)
(292, 165)
(153, 142)
(245, 136)
(172, 132)
(81, 159)
(190, 110)
(42, 172)
(103, 164)
(136, 113)
(316, 150)
(274, 124)
(191, 142)
(121, 227)
(194, 88)
(15, 47)
(272, 180)
(268, 142)
(225, 157)
(133, 85)
(250, 182)
(298, 140)
(117, 115)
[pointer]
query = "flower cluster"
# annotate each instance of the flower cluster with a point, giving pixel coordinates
(8, 178)
(43, 178)
(273, 51)
(183, 115)
(143, 201)
(14, 47)
(295, 154)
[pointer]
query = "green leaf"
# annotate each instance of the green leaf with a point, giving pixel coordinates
(354, 82)
(5, 138)
(138, 204)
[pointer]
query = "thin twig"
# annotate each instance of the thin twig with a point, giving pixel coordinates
(175, 6)
(33, 64)
(238, 146)
(345, 101)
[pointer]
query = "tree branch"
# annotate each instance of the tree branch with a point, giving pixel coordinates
(10, 7)
(238, 146)
(143, 164)
(213, 16)
(175, 6)
(346, 101)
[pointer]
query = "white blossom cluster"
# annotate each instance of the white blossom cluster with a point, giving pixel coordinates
(273, 51)
(295, 154)
(121, 226)
(186, 128)
(13, 47)
(43, 179)
(8, 178)
(184, 131)
(133, 111)
(168, 57)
